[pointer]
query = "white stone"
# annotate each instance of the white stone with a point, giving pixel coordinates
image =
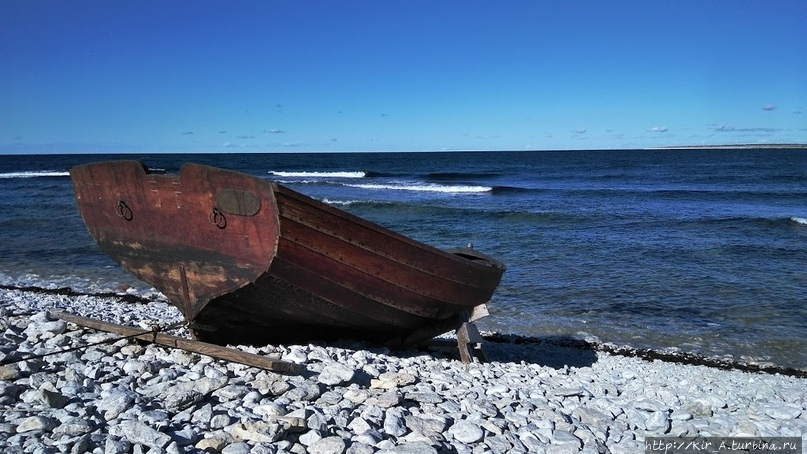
(36, 423)
(271, 409)
(115, 401)
(336, 374)
(73, 427)
(179, 401)
(220, 421)
(658, 422)
(389, 380)
(466, 432)
(236, 448)
(328, 445)
(782, 411)
(257, 432)
(296, 356)
(138, 433)
(394, 423)
(497, 389)
(359, 425)
(681, 415)
(562, 437)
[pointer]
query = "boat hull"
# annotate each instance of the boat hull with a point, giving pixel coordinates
(250, 262)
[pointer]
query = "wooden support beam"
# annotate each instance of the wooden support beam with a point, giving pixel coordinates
(204, 348)
(469, 341)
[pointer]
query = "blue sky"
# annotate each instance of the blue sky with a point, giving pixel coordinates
(264, 76)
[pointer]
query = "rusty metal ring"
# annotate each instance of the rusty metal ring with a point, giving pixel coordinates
(123, 210)
(217, 218)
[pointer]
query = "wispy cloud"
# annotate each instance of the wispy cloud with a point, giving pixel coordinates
(187, 133)
(769, 107)
(658, 129)
(736, 129)
(579, 131)
(222, 132)
(275, 131)
(246, 137)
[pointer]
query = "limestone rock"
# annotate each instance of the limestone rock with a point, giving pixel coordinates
(36, 423)
(466, 431)
(138, 433)
(336, 374)
(328, 445)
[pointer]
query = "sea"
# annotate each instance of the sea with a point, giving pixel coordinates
(699, 251)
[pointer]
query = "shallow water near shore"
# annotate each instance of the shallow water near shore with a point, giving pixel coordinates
(698, 250)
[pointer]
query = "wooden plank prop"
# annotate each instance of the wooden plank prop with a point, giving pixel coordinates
(167, 340)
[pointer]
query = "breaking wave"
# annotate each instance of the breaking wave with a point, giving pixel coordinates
(318, 174)
(424, 187)
(35, 174)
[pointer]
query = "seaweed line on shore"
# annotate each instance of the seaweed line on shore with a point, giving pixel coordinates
(67, 291)
(677, 357)
(648, 354)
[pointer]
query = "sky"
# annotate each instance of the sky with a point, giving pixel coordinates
(292, 76)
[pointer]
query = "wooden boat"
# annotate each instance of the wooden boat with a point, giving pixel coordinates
(248, 261)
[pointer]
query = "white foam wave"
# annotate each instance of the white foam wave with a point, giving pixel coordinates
(798, 220)
(340, 202)
(297, 181)
(425, 187)
(34, 174)
(319, 174)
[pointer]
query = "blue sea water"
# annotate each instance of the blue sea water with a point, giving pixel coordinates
(699, 250)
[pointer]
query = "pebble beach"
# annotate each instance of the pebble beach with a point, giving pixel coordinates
(125, 396)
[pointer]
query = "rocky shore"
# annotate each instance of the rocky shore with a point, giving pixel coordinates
(124, 396)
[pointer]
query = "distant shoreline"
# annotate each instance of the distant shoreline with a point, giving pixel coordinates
(733, 147)
(749, 146)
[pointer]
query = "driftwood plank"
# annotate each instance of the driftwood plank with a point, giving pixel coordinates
(167, 340)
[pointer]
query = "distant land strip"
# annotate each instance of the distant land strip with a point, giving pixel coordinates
(732, 146)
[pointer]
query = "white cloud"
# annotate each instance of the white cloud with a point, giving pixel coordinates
(769, 107)
(658, 129)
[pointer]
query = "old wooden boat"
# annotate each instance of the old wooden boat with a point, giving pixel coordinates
(248, 261)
